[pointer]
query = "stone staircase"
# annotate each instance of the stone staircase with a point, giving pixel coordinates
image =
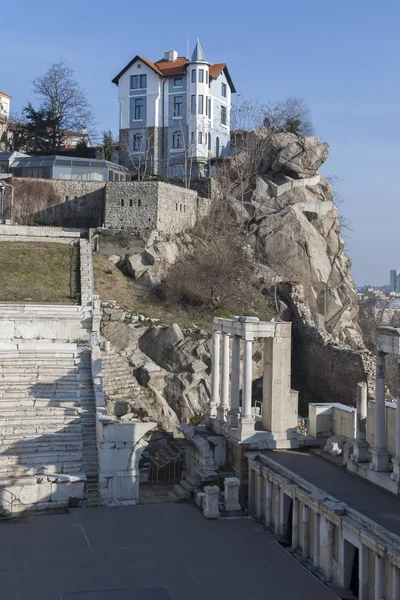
(47, 423)
(119, 382)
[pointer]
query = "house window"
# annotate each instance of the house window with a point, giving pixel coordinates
(177, 140)
(192, 137)
(200, 137)
(201, 75)
(139, 202)
(139, 108)
(193, 105)
(209, 141)
(122, 202)
(138, 142)
(209, 107)
(206, 76)
(201, 104)
(223, 89)
(193, 75)
(134, 82)
(206, 106)
(178, 105)
(138, 82)
(143, 82)
(217, 147)
(223, 115)
(131, 202)
(178, 82)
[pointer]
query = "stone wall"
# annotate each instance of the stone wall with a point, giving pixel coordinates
(138, 205)
(58, 202)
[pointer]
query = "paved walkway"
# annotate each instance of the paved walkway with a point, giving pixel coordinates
(149, 552)
(375, 503)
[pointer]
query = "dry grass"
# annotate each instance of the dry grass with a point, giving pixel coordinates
(38, 272)
(112, 284)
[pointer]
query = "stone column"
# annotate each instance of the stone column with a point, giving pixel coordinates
(268, 503)
(378, 577)
(380, 456)
(295, 524)
(224, 404)
(231, 495)
(235, 383)
(211, 502)
(360, 445)
(247, 379)
(395, 583)
(316, 540)
(278, 510)
(258, 499)
(363, 587)
(306, 531)
(396, 459)
(330, 540)
(215, 374)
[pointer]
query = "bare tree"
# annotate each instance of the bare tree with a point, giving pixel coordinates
(292, 115)
(61, 97)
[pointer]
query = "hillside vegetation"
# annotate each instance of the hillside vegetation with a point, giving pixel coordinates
(39, 272)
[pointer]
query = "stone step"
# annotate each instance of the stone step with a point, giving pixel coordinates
(56, 437)
(173, 496)
(35, 446)
(187, 486)
(38, 458)
(181, 492)
(33, 412)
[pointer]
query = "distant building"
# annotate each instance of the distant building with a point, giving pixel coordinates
(174, 113)
(5, 101)
(395, 280)
(62, 167)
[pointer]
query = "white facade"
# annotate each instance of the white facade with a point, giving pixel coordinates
(5, 101)
(174, 111)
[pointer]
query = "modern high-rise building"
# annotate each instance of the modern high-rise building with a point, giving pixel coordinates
(174, 113)
(395, 280)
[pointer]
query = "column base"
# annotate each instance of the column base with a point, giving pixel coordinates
(396, 468)
(380, 460)
(360, 451)
(221, 414)
(246, 427)
(232, 419)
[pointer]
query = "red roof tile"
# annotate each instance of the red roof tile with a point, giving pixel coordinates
(4, 94)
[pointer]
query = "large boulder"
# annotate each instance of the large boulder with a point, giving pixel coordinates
(135, 266)
(298, 157)
(122, 335)
(158, 342)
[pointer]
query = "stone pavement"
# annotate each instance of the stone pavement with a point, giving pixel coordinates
(373, 502)
(150, 552)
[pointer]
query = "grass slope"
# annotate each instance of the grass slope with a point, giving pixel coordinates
(38, 272)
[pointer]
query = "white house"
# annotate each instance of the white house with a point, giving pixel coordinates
(174, 113)
(5, 101)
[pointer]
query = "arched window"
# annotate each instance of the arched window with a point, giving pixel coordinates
(177, 140)
(138, 142)
(217, 147)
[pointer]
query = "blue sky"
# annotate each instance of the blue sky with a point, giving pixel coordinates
(341, 56)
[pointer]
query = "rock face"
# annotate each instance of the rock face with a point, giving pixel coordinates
(299, 158)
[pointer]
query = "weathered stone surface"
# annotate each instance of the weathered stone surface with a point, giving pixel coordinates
(135, 266)
(122, 335)
(157, 343)
(114, 258)
(334, 445)
(298, 157)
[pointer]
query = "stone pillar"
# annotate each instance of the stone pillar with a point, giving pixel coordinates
(224, 404)
(380, 456)
(360, 445)
(231, 495)
(378, 577)
(247, 379)
(330, 540)
(235, 383)
(258, 499)
(395, 583)
(278, 510)
(295, 524)
(396, 458)
(306, 531)
(316, 540)
(211, 502)
(268, 503)
(363, 587)
(215, 374)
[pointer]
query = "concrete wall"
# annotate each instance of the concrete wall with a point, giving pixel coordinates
(326, 420)
(58, 202)
(390, 425)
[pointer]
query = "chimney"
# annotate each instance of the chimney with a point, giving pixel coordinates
(171, 55)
